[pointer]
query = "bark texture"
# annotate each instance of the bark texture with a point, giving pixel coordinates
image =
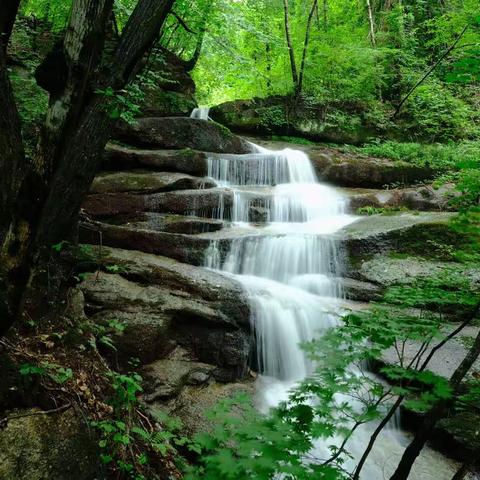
(40, 200)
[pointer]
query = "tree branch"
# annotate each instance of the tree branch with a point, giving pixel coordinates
(430, 70)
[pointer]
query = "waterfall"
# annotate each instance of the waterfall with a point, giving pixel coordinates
(289, 267)
(200, 113)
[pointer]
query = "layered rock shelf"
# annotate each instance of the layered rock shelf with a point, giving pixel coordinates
(152, 214)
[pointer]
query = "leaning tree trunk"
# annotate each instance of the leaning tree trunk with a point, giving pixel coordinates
(82, 49)
(84, 147)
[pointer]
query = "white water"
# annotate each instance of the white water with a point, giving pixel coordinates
(200, 113)
(288, 268)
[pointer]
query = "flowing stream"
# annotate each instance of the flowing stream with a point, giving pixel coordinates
(288, 264)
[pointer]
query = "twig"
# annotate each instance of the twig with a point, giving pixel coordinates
(430, 70)
(5, 420)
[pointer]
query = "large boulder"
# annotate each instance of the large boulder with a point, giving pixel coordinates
(187, 161)
(182, 132)
(163, 103)
(39, 446)
(403, 232)
(165, 304)
(171, 90)
(337, 122)
(139, 181)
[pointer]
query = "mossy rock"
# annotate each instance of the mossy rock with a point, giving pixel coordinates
(39, 446)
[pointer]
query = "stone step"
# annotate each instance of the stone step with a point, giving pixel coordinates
(168, 223)
(140, 181)
(192, 162)
(184, 202)
(181, 132)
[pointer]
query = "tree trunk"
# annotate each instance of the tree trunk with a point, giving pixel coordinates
(305, 45)
(8, 13)
(84, 148)
(325, 15)
(82, 49)
(291, 52)
(438, 412)
(371, 22)
(45, 212)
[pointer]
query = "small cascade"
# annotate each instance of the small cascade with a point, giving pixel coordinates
(200, 113)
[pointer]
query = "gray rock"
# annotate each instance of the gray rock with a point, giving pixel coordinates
(446, 359)
(404, 232)
(385, 270)
(146, 182)
(46, 447)
(182, 132)
(184, 248)
(188, 161)
(176, 304)
(193, 403)
(359, 291)
(183, 202)
(165, 379)
(326, 121)
(170, 223)
(420, 198)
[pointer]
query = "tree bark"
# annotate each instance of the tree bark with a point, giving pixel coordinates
(84, 149)
(438, 412)
(291, 52)
(371, 22)
(8, 13)
(45, 212)
(82, 50)
(13, 167)
(325, 15)
(305, 45)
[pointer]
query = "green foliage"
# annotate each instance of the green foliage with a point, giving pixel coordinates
(369, 210)
(47, 370)
(434, 114)
(127, 445)
(440, 157)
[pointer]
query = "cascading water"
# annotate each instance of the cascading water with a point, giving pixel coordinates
(200, 113)
(288, 266)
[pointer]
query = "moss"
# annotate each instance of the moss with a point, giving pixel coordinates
(463, 428)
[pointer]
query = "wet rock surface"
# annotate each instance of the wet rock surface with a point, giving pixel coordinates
(423, 198)
(186, 202)
(164, 303)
